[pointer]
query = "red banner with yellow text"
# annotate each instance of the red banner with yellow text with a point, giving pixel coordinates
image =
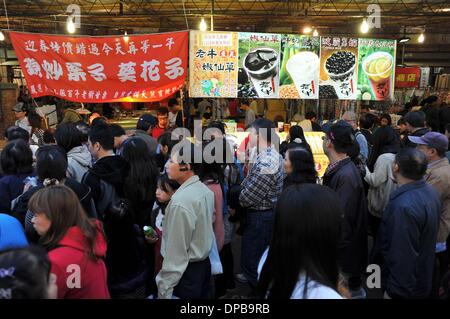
(134, 68)
(407, 77)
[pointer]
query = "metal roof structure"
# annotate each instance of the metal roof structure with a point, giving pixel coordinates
(398, 18)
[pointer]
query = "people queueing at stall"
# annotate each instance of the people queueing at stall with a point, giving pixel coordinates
(153, 213)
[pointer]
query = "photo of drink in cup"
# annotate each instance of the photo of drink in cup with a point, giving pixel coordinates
(378, 69)
(340, 68)
(376, 63)
(303, 68)
(299, 71)
(259, 64)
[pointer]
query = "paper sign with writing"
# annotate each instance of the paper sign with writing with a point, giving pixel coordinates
(213, 63)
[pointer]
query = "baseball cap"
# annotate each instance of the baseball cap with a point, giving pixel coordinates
(148, 118)
(340, 132)
(19, 107)
(431, 139)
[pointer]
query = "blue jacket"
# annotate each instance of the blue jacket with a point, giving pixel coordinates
(11, 233)
(11, 186)
(407, 240)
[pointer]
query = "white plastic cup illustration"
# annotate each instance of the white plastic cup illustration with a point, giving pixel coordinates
(303, 68)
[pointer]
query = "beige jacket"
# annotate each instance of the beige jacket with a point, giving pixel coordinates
(438, 176)
(187, 233)
(381, 184)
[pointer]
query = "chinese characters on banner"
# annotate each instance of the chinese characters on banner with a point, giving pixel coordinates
(424, 77)
(299, 73)
(103, 69)
(338, 68)
(213, 64)
(259, 64)
(376, 69)
(407, 77)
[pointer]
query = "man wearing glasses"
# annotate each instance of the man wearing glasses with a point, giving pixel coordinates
(163, 122)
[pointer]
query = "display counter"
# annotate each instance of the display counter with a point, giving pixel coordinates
(128, 123)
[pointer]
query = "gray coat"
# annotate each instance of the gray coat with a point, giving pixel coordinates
(79, 161)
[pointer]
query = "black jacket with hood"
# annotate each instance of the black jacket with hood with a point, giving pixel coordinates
(112, 170)
(346, 181)
(127, 255)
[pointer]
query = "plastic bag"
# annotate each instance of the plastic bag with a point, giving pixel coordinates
(214, 258)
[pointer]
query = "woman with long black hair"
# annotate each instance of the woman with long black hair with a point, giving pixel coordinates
(302, 260)
(140, 183)
(379, 176)
(299, 167)
(295, 138)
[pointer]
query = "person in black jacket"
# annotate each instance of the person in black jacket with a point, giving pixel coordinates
(126, 257)
(407, 236)
(366, 124)
(140, 182)
(444, 117)
(431, 109)
(415, 124)
(343, 177)
(17, 165)
(51, 163)
(312, 116)
(108, 167)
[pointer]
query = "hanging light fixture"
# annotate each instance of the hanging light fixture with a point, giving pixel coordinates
(307, 30)
(315, 33)
(404, 40)
(2, 36)
(125, 36)
(364, 28)
(203, 25)
(70, 26)
(421, 38)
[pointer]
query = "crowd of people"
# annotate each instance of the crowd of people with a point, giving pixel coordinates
(94, 211)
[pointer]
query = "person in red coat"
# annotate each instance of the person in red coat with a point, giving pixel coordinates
(76, 245)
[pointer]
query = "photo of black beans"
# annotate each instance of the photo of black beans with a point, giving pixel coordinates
(327, 92)
(340, 62)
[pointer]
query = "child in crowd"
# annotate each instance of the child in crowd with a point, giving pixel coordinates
(164, 191)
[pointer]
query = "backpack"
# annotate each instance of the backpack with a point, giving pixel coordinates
(357, 158)
(127, 250)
